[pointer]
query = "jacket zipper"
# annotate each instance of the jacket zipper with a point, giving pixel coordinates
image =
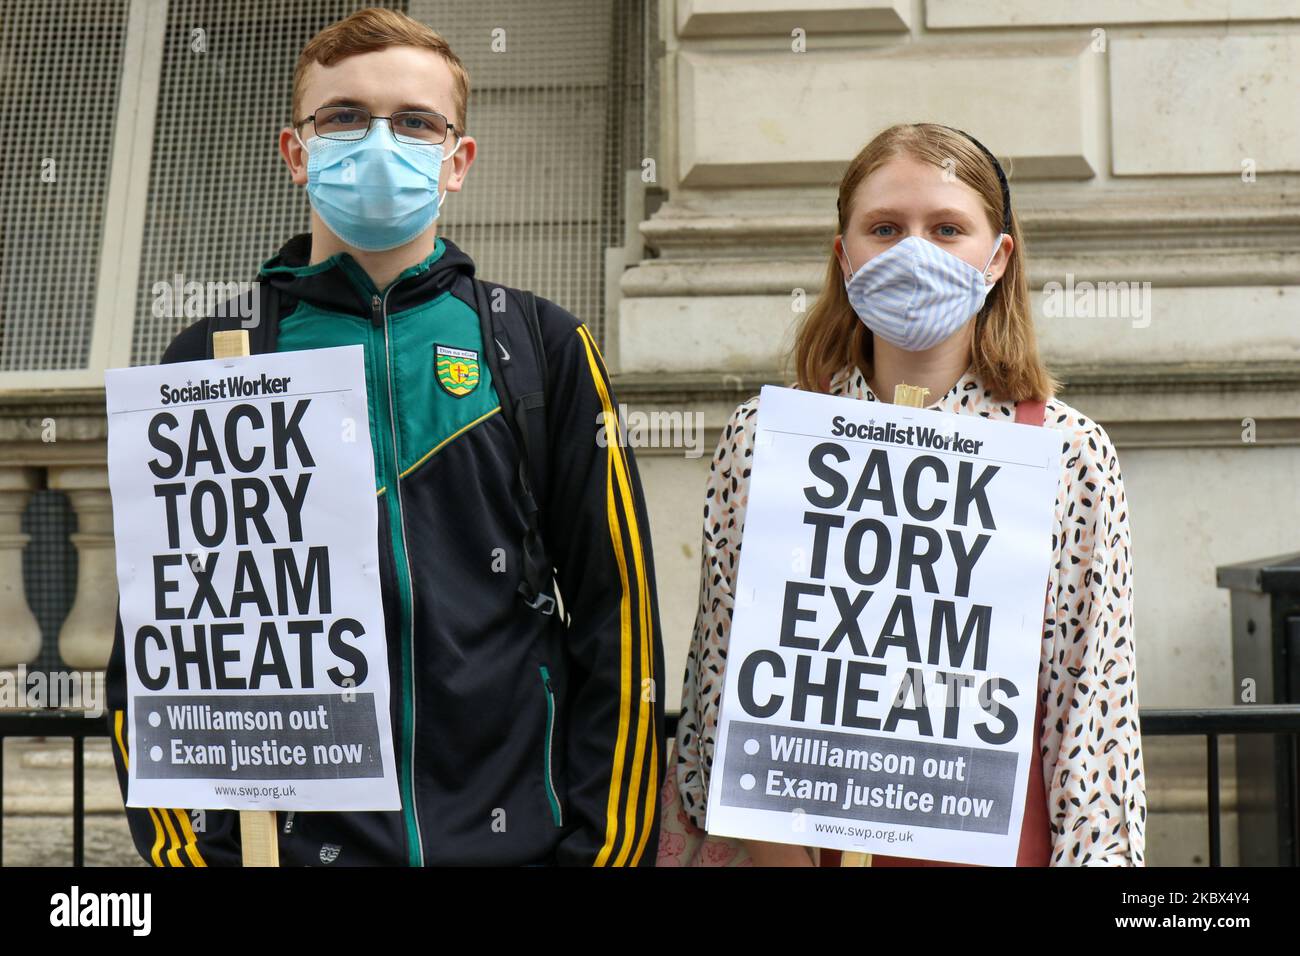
(416, 845)
(557, 814)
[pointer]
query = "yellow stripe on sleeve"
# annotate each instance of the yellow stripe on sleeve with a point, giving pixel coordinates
(191, 839)
(646, 714)
(159, 816)
(625, 675)
(158, 837)
(617, 470)
(119, 719)
(172, 856)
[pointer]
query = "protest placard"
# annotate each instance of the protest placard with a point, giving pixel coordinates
(245, 520)
(882, 668)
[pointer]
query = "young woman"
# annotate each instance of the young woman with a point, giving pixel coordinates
(926, 285)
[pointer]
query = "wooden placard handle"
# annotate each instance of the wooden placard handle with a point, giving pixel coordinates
(913, 396)
(257, 836)
(231, 344)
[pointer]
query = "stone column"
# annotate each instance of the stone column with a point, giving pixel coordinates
(87, 635)
(20, 635)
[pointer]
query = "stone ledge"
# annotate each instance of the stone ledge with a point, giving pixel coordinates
(1109, 394)
(1161, 265)
(719, 18)
(1215, 237)
(1005, 14)
(1240, 211)
(1135, 378)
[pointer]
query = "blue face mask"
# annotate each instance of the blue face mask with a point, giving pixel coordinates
(915, 294)
(374, 193)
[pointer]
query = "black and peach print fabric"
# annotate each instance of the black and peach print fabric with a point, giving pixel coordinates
(1092, 749)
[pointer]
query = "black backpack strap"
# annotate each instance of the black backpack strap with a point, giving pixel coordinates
(534, 402)
(512, 345)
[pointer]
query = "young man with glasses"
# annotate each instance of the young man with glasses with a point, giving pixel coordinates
(527, 731)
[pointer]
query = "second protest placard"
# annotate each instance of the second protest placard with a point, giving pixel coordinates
(882, 668)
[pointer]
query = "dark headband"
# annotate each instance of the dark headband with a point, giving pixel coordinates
(1002, 178)
(997, 168)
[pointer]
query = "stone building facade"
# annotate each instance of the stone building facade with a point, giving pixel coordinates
(1150, 145)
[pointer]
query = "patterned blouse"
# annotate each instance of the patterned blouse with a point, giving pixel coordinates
(1087, 678)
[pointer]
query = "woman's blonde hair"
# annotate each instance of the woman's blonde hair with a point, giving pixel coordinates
(1004, 348)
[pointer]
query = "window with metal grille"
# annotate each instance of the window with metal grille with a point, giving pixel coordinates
(59, 79)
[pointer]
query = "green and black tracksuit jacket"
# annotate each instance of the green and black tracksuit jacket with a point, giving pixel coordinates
(521, 737)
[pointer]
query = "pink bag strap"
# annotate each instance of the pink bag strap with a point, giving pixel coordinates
(1031, 411)
(1035, 833)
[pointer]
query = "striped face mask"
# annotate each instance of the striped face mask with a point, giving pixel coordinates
(914, 294)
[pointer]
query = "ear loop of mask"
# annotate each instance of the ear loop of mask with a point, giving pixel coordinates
(852, 271)
(446, 194)
(987, 270)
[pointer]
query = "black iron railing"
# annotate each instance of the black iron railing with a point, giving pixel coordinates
(55, 723)
(1208, 722)
(1212, 723)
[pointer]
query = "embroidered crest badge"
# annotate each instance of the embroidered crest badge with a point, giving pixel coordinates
(457, 369)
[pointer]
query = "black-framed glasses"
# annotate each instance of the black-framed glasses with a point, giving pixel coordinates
(417, 127)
